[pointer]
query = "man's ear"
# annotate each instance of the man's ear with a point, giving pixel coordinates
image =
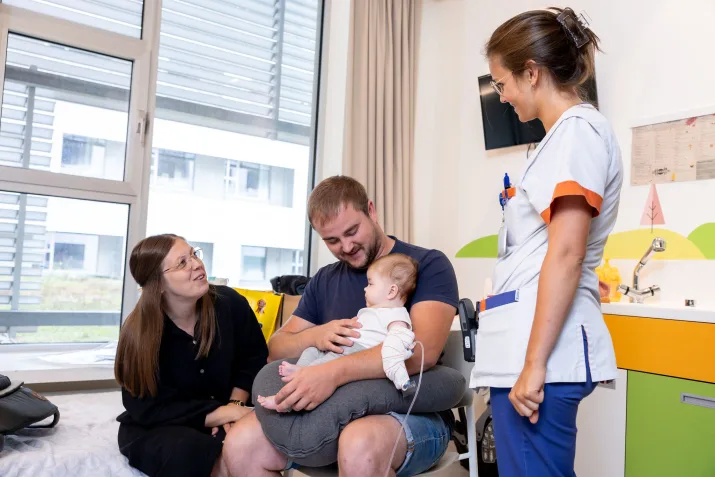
(372, 211)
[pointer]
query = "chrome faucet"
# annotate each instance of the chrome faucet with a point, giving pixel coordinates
(635, 293)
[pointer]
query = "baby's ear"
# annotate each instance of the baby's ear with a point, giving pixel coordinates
(394, 291)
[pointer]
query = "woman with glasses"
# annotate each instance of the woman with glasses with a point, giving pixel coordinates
(542, 342)
(187, 357)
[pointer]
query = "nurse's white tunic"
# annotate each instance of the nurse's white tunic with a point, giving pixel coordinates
(578, 156)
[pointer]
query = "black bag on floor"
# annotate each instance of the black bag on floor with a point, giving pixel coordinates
(21, 408)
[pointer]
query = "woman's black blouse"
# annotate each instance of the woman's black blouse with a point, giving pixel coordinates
(189, 389)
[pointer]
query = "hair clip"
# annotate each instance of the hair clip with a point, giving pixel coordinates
(575, 26)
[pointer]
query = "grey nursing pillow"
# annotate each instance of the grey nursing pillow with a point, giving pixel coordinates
(311, 438)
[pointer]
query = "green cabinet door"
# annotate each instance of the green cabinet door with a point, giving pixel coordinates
(666, 437)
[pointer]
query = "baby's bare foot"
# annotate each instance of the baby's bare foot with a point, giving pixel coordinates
(268, 402)
(286, 369)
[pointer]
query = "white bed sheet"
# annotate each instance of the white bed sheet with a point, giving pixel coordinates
(83, 444)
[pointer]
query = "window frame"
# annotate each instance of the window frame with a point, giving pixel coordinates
(134, 188)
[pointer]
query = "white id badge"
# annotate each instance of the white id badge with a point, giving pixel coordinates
(501, 251)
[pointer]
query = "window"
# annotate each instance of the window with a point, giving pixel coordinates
(174, 170)
(235, 93)
(253, 266)
(75, 294)
(260, 264)
(53, 91)
(120, 16)
(86, 156)
(263, 183)
(297, 268)
(76, 76)
(250, 64)
(76, 151)
(253, 179)
(224, 133)
(68, 256)
(92, 254)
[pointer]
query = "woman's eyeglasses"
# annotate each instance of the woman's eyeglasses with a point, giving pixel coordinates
(498, 85)
(196, 254)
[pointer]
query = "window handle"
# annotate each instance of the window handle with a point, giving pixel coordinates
(143, 126)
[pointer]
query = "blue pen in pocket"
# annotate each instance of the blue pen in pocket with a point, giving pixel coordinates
(504, 195)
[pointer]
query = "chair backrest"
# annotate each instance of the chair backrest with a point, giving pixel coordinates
(290, 303)
(454, 358)
(266, 305)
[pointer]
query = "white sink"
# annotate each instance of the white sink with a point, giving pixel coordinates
(665, 310)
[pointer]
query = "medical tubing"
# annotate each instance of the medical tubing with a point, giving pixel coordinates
(402, 423)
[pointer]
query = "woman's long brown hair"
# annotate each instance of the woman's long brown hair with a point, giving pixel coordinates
(136, 367)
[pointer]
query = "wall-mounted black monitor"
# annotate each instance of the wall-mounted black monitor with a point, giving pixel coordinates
(502, 127)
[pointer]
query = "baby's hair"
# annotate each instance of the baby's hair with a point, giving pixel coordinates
(401, 269)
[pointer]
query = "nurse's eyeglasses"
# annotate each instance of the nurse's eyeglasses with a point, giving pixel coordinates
(196, 254)
(498, 85)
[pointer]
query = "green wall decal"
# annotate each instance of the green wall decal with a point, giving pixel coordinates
(485, 247)
(704, 238)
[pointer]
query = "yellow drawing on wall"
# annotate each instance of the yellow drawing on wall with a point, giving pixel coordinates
(266, 305)
(630, 245)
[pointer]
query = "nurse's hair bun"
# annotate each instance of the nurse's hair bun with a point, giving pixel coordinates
(575, 26)
(556, 39)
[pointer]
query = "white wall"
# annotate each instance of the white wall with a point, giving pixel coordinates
(656, 62)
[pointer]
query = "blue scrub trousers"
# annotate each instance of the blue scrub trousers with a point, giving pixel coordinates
(547, 448)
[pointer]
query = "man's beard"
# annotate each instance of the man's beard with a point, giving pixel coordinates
(371, 251)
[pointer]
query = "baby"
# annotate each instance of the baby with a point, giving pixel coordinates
(390, 281)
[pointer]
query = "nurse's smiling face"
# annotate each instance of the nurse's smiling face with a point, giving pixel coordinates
(515, 88)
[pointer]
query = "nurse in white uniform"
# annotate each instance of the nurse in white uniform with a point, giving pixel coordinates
(542, 343)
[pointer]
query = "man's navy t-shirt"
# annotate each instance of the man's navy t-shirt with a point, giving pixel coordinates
(337, 291)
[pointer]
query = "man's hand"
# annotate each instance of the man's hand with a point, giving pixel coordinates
(528, 392)
(308, 388)
(332, 336)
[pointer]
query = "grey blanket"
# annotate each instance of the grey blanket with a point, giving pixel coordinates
(311, 438)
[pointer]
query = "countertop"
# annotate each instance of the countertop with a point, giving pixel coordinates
(661, 310)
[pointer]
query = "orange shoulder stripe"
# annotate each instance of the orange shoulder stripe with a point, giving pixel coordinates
(569, 188)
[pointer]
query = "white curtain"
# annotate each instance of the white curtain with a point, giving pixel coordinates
(379, 135)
